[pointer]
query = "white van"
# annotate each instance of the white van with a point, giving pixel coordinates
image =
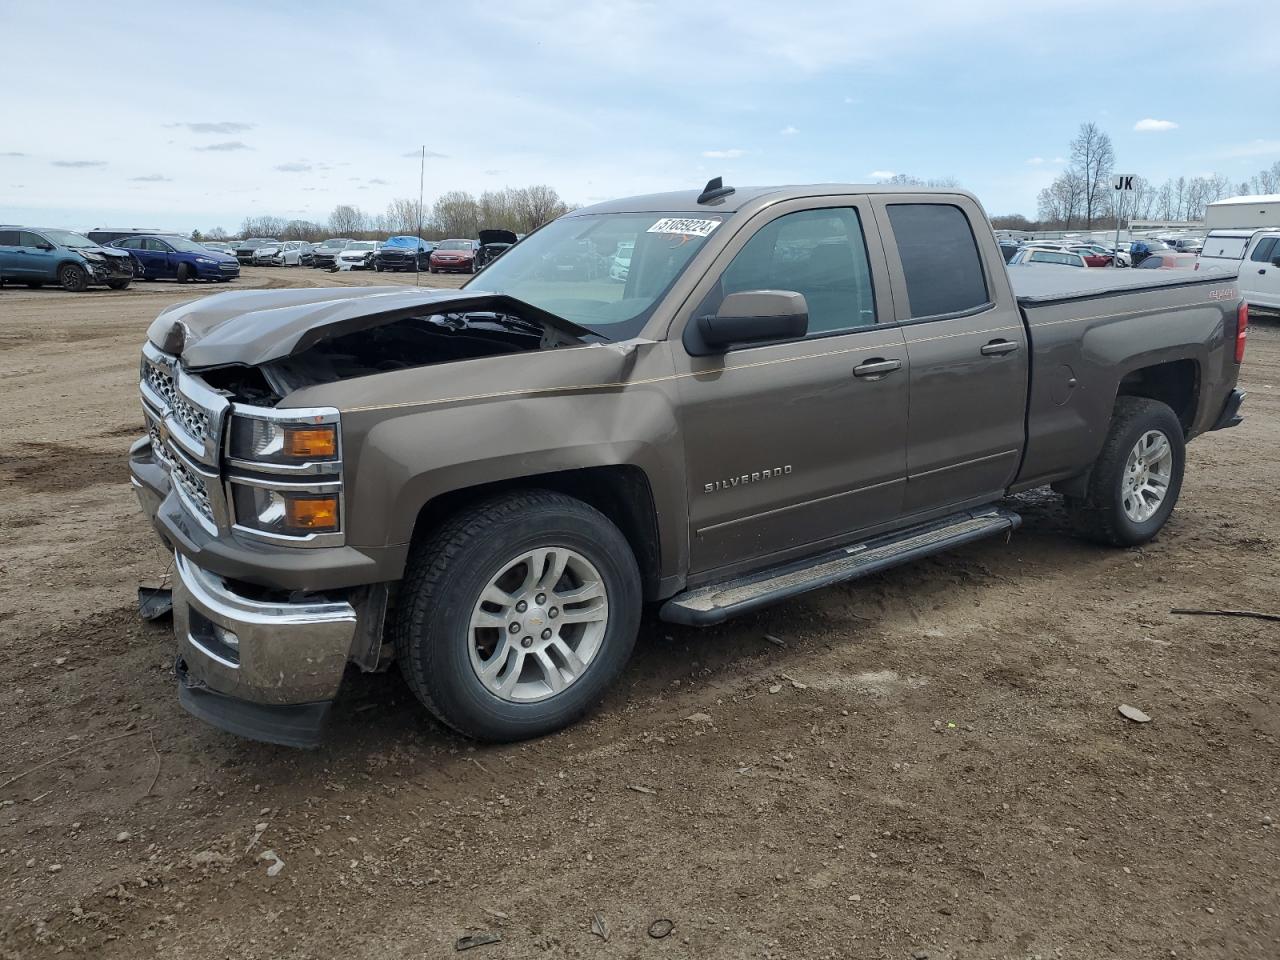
(1255, 256)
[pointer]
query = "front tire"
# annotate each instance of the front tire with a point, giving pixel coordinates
(517, 615)
(184, 273)
(74, 278)
(1135, 482)
(119, 284)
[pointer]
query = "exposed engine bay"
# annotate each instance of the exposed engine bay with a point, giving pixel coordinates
(405, 343)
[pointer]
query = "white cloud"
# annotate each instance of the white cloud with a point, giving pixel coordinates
(152, 178)
(79, 163)
(222, 126)
(1041, 161)
(1035, 161)
(852, 100)
(731, 154)
(294, 167)
(881, 174)
(227, 146)
(788, 131)
(1151, 125)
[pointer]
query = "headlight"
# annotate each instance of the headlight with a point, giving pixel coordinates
(204, 260)
(284, 512)
(273, 441)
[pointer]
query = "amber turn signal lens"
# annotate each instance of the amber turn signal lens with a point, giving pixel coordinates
(316, 443)
(312, 514)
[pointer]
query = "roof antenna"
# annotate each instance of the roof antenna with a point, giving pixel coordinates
(714, 190)
(417, 251)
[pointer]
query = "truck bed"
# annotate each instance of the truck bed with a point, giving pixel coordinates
(1042, 284)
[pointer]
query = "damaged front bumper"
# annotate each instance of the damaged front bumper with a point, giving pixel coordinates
(260, 662)
(267, 670)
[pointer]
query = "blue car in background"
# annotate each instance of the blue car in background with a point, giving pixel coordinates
(404, 253)
(39, 255)
(176, 258)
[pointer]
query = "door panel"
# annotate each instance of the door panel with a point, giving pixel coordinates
(786, 446)
(968, 350)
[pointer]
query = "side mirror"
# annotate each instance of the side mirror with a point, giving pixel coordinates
(44, 246)
(750, 316)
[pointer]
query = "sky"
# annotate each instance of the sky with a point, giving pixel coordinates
(147, 118)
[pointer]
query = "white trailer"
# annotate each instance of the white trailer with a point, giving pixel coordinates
(1243, 212)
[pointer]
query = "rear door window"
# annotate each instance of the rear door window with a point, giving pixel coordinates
(940, 259)
(27, 239)
(9, 238)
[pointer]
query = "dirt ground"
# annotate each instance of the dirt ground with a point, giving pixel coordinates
(932, 762)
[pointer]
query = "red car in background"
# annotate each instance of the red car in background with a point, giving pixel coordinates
(455, 255)
(1093, 256)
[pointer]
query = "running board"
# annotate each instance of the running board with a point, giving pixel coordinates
(703, 606)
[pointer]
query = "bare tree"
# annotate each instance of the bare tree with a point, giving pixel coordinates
(537, 205)
(1062, 202)
(1093, 158)
(907, 180)
(456, 214)
(347, 220)
(406, 216)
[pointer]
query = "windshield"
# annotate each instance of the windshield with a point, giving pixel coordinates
(403, 242)
(335, 243)
(360, 245)
(65, 238)
(564, 267)
(454, 245)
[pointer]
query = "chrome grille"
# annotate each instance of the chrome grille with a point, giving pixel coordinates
(192, 419)
(191, 487)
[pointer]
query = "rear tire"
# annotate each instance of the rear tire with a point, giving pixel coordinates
(184, 273)
(452, 573)
(1131, 492)
(73, 277)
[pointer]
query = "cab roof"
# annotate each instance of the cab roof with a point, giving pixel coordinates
(743, 198)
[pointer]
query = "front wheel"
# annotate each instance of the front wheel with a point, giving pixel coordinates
(517, 615)
(1134, 484)
(73, 277)
(184, 273)
(118, 284)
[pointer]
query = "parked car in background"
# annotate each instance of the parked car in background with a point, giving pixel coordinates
(1188, 244)
(1168, 260)
(1060, 258)
(1093, 256)
(358, 255)
(176, 258)
(403, 253)
(454, 256)
(105, 235)
(1007, 249)
(620, 268)
(39, 255)
(245, 248)
(219, 246)
(290, 253)
(1139, 250)
(493, 244)
(326, 253)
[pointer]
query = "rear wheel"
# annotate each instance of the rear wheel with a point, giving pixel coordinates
(73, 277)
(517, 615)
(184, 273)
(1134, 484)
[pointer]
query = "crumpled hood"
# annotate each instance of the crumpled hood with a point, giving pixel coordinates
(250, 327)
(92, 252)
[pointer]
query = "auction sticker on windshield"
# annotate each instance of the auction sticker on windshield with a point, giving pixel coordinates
(684, 226)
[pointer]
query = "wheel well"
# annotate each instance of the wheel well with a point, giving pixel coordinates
(621, 493)
(1175, 383)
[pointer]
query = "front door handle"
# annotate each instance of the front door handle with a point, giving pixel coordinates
(876, 367)
(998, 348)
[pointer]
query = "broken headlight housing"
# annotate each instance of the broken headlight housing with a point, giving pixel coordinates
(285, 482)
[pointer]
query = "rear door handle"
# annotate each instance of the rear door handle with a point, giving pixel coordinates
(876, 367)
(998, 348)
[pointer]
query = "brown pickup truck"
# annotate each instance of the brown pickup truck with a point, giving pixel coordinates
(706, 401)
